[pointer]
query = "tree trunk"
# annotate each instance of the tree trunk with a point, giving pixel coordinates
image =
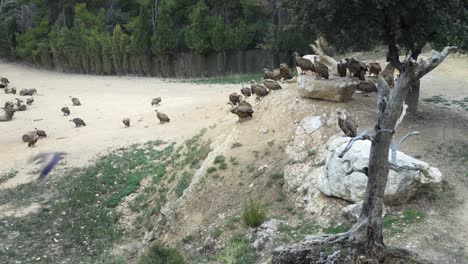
(413, 97)
(154, 15)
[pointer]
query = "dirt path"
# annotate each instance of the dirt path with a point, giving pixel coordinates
(105, 101)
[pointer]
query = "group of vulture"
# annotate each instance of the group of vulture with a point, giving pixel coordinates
(242, 108)
(355, 67)
(32, 137)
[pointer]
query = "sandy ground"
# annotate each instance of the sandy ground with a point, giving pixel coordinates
(105, 101)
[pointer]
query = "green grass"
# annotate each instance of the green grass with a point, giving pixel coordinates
(222, 166)
(188, 239)
(289, 234)
(437, 99)
(237, 251)
(335, 229)
(215, 232)
(231, 79)
(234, 161)
(232, 222)
(6, 176)
(219, 159)
(183, 183)
(311, 152)
(211, 170)
(161, 254)
(254, 213)
(236, 145)
(394, 225)
(79, 211)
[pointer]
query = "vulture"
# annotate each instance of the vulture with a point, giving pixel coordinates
(11, 90)
(9, 105)
(244, 103)
(30, 138)
(243, 111)
(258, 90)
(18, 102)
(156, 101)
(163, 118)
(78, 122)
(2, 85)
(347, 125)
(29, 101)
(126, 122)
(374, 68)
(356, 68)
(49, 159)
(341, 67)
(272, 85)
(285, 72)
(235, 98)
(246, 91)
(75, 101)
(25, 92)
(65, 110)
(40, 133)
(322, 69)
(4, 81)
(388, 74)
(275, 74)
(7, 115)
(304, 64)
(21, 108)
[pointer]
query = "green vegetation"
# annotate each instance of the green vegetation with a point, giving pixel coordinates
(6, 176)
(254, 213)
(183, 183)
(396, 224)
(161, 254)
(211, 170)
(335, 229)
(188, 239)
(219, 159)
(215, 232)
(232, 222)
(236, 145)
(78, 214)
(237, 251)
(311, 152)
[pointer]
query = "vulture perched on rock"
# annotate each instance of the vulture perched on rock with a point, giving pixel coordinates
(65, 110)
(272, 85)
(26, 92)
(258, 90)
(246, 91)
(341, 67)
(21, 108)
(235, 98)
(304, 64)
(126, 122)
(374, 68)
(322, 69)
(356, 68)
(163, 118)
(156, 101)
(275, 74)
(78, 122)
(75, 101)
(347, 125)
(29, 101)
(40, 133)
(286, 73)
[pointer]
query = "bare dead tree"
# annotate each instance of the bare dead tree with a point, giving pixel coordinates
(366, 236)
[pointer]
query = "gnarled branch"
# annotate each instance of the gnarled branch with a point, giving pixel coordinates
(436, 58)
(362, 136)
(324, 58)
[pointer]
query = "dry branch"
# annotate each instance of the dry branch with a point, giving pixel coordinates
(324, 58)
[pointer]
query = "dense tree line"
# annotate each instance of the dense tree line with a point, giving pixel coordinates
(121, 36)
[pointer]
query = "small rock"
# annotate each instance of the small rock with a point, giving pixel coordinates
(263, 130)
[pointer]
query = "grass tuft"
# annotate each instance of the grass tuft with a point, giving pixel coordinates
(254, 213)
(159, 253)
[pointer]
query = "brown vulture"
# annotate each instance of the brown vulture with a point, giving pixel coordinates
(347, 125)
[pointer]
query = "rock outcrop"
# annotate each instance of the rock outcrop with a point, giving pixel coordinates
(333, 90)
(346, 177)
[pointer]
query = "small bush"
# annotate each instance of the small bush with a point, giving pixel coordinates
(311, 152)
(216, 232)
(254, 213)
(211, 170)
(219, 159)
(222, 166)
(183, 183)
(236, 145)
(187, 239)
(161, 254)
(238, 251)
(234, 161)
